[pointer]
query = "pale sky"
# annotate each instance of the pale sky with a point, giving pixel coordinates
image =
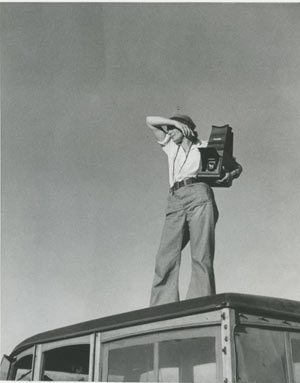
(84, 185)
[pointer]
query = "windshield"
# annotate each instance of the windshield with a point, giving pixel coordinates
(261, 355)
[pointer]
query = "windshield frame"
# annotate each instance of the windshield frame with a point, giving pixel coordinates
(267, 323)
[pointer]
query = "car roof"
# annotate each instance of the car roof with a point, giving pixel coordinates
(251, 304)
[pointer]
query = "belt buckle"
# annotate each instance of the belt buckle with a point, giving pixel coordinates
(188, 181)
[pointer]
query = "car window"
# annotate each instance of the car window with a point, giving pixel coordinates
(175, 356)
(131, 364)
(22, 368)
(261, 355)
(188, 360)
(67, 363)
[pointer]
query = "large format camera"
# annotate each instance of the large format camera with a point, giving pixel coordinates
(217, 158)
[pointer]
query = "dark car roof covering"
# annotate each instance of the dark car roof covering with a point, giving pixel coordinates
(251, 304)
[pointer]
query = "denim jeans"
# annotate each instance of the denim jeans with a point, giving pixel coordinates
(191, 215)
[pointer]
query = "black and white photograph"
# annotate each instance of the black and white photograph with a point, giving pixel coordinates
(150, 171)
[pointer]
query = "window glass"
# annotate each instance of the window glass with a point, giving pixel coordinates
(131, 364)
(296, 359)
(175, 356)
(68, 363)
(22, 368)
(261, 356)
(188, 360)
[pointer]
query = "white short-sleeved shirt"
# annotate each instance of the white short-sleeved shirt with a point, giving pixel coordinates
(182, 164)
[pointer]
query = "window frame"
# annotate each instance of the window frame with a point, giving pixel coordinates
(29, 351)
(289, 353)
(155, 338)
(287, 336)
(42, 348)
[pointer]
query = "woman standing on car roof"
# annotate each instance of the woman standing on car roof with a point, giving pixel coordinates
(191, 213)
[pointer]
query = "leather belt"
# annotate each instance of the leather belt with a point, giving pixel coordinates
(186, 181)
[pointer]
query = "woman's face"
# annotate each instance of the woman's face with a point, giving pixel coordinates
(176, 135)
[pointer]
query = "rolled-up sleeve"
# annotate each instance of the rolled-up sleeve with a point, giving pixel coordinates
(237, 170)
(164, 141)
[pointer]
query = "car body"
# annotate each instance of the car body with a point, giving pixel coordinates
(225, 338)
